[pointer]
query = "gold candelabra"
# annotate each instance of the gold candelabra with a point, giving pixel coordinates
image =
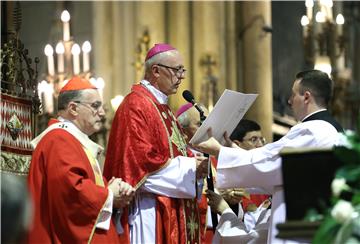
(323, 36)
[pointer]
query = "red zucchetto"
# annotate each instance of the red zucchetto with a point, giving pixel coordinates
(77, 83)
(158, 48)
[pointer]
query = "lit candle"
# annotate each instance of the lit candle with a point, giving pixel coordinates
(65, 18)
(49, 51)
(304, 23)
(339, 22)
(75, 51)
(309, 9)
(116, 101)
(60, 50)
(326, 8)
(86, 48)
(49, 98)
(46, 91)
(100, 84)
(339, 26)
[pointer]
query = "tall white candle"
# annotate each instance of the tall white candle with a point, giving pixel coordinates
(75, 51)
(60, 50)
(100, 84)
(309, 9)
(46, 92)
(339, 23)
(65, 18)
(49, 51)
(86, 48)
(305, 23)
(49, 98)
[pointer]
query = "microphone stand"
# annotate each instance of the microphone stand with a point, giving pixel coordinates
(209, 178)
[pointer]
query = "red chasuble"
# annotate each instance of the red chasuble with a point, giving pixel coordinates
(144, 138)
(66, 199)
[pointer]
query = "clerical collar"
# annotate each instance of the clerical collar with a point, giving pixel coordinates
(84, 139)
(307, 116)
(160, 96)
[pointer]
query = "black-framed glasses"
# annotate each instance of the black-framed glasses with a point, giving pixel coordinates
(95, 105)
(179, 71)
(255, 139)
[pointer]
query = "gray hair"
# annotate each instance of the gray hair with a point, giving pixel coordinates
(158, 58)
(68, 96)
(184, 119)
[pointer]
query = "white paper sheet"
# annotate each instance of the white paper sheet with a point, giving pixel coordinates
(227, 113)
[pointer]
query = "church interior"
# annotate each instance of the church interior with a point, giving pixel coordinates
(246, 46)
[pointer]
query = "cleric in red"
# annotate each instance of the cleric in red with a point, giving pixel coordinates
(72, 202)
(147, 149)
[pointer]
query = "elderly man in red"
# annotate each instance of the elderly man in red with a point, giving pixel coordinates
(147, 149)
(72, 202)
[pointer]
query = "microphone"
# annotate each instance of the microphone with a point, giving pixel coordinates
(188, 96)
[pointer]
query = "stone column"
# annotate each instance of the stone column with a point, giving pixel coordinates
(228, 47)
(103, 39)
(179, 31)
(257, 66)
(207, 36)
(150, 15)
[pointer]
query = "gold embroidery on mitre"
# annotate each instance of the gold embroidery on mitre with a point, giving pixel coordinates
(164, 115)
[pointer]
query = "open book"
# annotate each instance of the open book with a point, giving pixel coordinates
(225, 116)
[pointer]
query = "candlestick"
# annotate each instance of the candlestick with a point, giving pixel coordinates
(86, 48)
(60, 50)
(305, 23)
(49, 51)
(65, 18)
(309, 9)
(75, 50)
(100, 84)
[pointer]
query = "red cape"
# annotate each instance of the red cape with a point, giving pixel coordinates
(140, 145)
(66, 200)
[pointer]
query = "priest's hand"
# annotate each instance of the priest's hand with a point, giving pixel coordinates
(234, 195)
(210, 146)
(201, 166)
(123, 192)
(229, 142)
(216, 202)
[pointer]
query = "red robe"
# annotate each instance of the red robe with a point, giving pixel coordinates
(66, 200)
(142, 141)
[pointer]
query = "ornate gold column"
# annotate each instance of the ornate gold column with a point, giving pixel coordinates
(257, 66)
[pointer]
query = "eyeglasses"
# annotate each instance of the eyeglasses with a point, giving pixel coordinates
(179, 71)
(94, 106)
(255, 139)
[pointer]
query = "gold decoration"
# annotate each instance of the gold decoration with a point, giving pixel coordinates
(177, 138)
(192, 226)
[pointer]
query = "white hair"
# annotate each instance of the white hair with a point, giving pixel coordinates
(158, 58)
(184, 119)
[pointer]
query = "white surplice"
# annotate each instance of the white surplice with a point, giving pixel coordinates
(231, 229)
(261, 167)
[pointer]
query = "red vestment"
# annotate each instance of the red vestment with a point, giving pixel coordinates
(66, 200)
(144, 138)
